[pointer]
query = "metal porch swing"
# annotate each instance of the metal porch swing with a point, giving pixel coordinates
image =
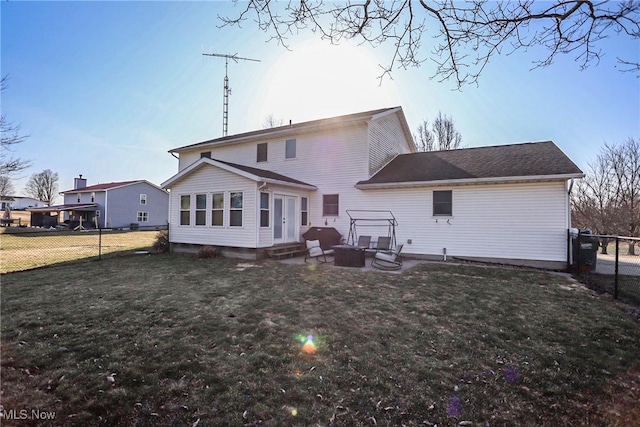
(379, 223)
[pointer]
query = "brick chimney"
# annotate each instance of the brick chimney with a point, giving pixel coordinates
(79, 182)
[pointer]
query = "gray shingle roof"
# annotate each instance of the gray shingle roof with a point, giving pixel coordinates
(289, 129)
(533, 159)
(261, 173)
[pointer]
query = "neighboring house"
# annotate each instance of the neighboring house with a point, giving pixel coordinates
(19, 202)
(259, 189)
(123, 204)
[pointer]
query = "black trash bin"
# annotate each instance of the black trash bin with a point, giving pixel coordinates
(585, 251)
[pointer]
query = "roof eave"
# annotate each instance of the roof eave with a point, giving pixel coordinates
(470, 181)
(296, 129)
(186, 171)
(289, 184)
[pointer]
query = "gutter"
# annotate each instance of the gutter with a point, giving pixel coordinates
(468, 181)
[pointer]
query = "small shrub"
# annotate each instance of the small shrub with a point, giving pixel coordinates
(161, 244)
(207, 252)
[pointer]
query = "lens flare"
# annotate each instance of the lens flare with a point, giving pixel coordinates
(308, 346)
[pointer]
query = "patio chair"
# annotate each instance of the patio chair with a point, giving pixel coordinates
(383, 244)
(388, 260)
(315, 251)
(364, 242)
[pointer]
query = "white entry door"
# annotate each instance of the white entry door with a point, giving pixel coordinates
(284, 219)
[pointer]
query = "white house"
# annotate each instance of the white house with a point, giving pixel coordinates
(19, 202)
(255, 190)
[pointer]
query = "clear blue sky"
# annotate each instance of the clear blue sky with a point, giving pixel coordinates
(106, 88)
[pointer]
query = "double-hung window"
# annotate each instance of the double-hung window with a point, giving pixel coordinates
(264, 209)
(185, 209)
(290, 149)
(201, 209)
(217, 209)
(262, 152)
(330, 205)
(143, 199)
(235, 209)
(443, 203)
(304, 211)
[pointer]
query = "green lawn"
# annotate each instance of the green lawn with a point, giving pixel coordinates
(174, 340)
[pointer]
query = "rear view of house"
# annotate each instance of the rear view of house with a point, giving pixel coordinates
(259, 189)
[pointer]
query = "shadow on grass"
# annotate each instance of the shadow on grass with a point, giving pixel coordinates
(174, 340)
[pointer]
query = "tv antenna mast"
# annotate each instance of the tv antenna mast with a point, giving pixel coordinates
(227, 89)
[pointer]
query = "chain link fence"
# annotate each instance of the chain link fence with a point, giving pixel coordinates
(608, 264)
(24, 248)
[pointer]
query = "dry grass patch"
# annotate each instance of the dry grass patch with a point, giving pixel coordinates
(174, 340)
(27, 250)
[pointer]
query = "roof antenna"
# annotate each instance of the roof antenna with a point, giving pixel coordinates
(227, 89)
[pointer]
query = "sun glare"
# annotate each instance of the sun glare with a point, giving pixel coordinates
(317, 80)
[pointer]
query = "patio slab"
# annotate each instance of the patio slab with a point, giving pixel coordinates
(406, 264)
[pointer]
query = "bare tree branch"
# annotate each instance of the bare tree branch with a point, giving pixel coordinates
(10, 136)
(463, 35)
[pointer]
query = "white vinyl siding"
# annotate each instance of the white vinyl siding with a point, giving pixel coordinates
(215, 181)
(387, 140)
(323, 160)
(509, 221)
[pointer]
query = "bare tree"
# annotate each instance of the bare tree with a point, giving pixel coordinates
(43, 186)
(446, 135)
(625, 165)
(424, 140)
(6, 186)
(608, 199)
(10, 136)
(442, 136)
(593, 201)
(466, 34)
(271, 122)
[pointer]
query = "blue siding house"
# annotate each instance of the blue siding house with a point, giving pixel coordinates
(125, 204)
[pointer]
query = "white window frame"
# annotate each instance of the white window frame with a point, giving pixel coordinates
(214, 209)
(304, 210)
(200, 210)
(324, 205)
(440, 203)
(232, 209)
(266, 152)
(287, 148)
(266, 209)
(143, 199)
(181, 210)
(143, 216)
